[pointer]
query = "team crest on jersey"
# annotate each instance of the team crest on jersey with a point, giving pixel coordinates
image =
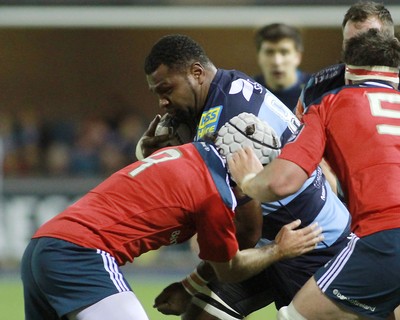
(209, 121)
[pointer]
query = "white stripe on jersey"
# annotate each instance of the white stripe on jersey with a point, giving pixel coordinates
(338, 264)
(112, 268)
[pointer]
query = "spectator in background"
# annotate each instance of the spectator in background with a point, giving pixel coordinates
(9, 144)
(93, 133)
(279, 53)
(130, 129)
(88, 146)
(28, 137)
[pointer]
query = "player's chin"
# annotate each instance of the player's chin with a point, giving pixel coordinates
(183, 115)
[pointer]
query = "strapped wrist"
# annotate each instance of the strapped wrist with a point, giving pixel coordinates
(193, 282)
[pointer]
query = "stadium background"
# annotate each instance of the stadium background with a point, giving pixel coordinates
(66, 64)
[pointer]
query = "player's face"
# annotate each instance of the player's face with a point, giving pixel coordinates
(177, 91)
(351, 29)
(278, 62)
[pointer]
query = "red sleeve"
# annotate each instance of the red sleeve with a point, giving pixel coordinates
(216, 232)
(307, 146)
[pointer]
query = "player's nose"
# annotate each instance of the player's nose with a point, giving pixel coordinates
(163, 103)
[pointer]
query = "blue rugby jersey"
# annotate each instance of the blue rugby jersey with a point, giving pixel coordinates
(314, 202)
(289, 96)
(233, 92)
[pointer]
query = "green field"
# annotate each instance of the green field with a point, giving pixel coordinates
(11, 301)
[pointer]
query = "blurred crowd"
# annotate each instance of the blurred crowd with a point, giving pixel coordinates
(89, 146)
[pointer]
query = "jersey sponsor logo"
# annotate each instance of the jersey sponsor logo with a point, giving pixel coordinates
(173, 239)
(246, 87)
(327, 74)
(323, 193)
(209, 121)
(357, 303)
(319, 183)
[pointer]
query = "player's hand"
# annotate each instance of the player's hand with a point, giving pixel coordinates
(150, 143)
(242, 163)
(292, 243)
(172, 300)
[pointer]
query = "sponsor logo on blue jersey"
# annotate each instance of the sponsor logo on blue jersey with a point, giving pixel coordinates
(209, 121)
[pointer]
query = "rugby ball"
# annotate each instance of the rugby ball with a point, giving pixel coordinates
(180, 132)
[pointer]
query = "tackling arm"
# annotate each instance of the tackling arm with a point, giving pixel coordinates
(248, 221)
(289, 242)
(273, 182)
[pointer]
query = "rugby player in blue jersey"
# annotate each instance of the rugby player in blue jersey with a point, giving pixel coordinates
(190, 87)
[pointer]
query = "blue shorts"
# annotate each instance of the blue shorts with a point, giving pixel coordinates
(365, 276)
(60, 277)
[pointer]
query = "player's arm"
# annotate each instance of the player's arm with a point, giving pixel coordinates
(329, 175)
(150, 143)
(248, 220)
(289, 242)
(273, 182)
(176, 297)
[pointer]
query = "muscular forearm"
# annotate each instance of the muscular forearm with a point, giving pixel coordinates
(289, 242)
(206, 271)
(250, 262)
(278, 180)
(260, 188)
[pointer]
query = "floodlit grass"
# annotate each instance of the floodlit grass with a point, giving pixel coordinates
(11, 300)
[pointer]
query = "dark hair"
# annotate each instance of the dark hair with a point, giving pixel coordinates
(276, 32)
(362, 10)
(176, 52)
(372, 48)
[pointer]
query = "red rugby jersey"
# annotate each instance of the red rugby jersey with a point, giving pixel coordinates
(357, 129)
(164, 199)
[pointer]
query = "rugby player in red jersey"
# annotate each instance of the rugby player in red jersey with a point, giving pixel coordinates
(71, 267)
(357, 129)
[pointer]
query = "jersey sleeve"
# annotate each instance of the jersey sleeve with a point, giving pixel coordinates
(306, 146)
(325, 80)
(216, 232)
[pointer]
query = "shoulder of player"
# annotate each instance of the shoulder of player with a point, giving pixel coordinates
(323, 81)
(234, 89)
(225, 76)
(328, 73)
(326, 97)
(208, 153)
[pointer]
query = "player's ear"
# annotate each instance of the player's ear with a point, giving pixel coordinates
(197, 71)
